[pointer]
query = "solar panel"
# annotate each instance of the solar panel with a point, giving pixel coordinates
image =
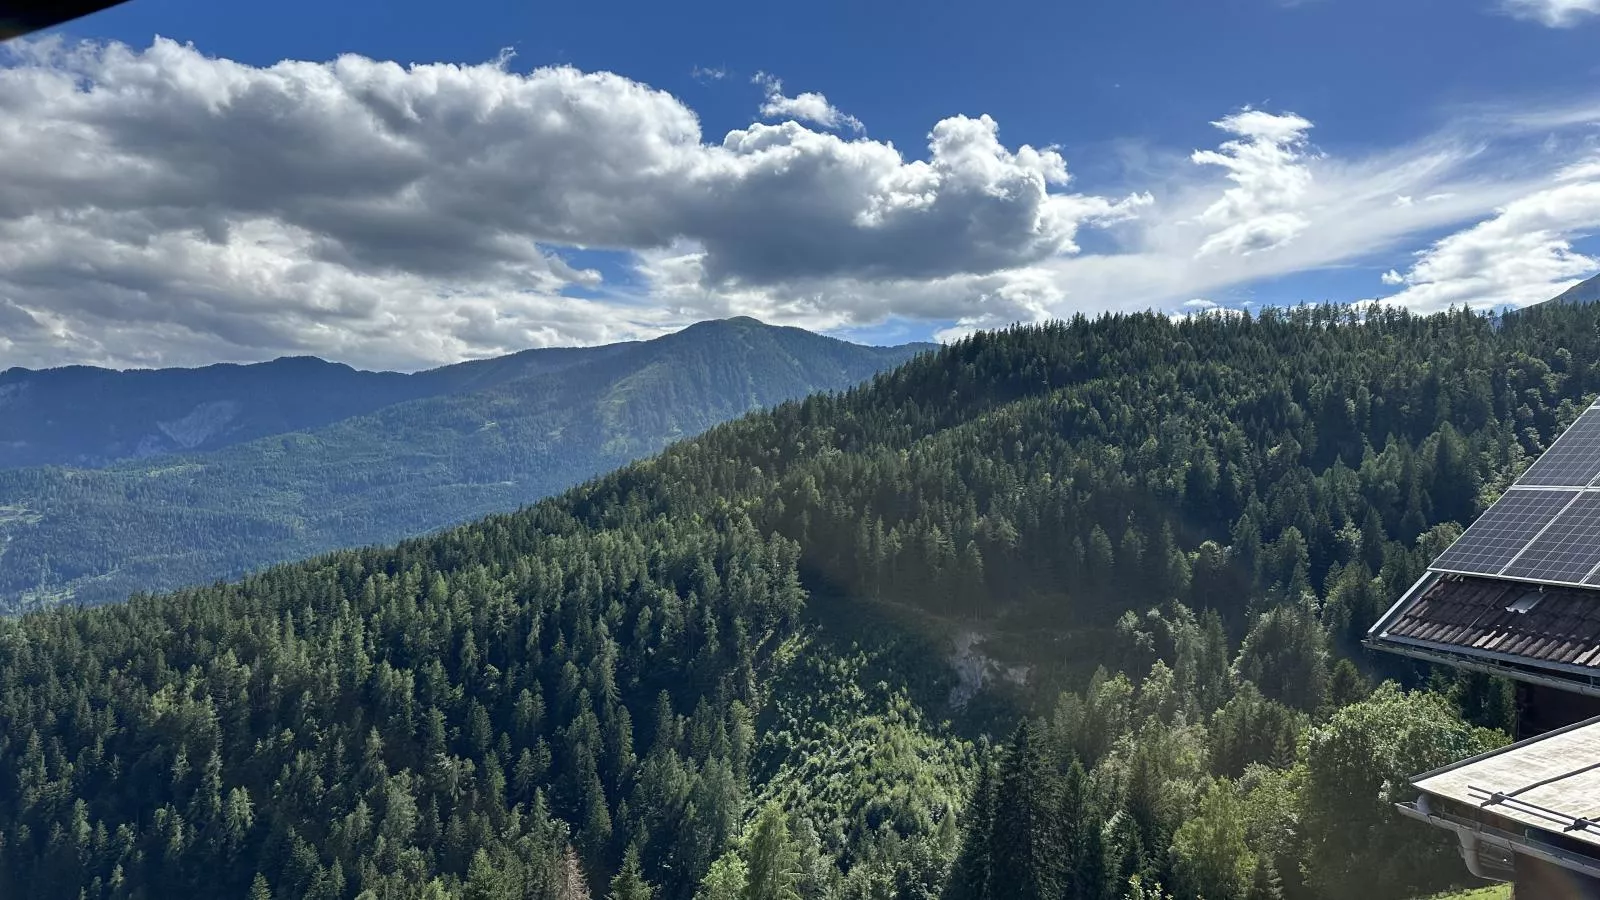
(1502, 531)
(1568, 550)
(1574, 459)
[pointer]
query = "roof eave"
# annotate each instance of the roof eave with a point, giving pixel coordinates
(1491, 663)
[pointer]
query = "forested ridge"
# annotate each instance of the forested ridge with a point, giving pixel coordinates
(675, 682)
(89, 416)
(489, 436)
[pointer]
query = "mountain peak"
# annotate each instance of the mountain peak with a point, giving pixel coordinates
(730, 322)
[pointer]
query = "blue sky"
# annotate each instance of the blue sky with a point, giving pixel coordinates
(1151, 154)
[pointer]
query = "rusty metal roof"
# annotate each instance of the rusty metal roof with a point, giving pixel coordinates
(1524, 622)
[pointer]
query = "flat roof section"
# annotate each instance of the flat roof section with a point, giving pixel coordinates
(1551, 782)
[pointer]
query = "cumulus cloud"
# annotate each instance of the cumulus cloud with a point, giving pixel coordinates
(1265, 163)
(388, 215)
(790, 203)
(807, 107)
(1552, 13)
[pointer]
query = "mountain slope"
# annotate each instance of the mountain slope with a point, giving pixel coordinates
(93, 536)
(86, 416)
(679, 674)
(1583, 292)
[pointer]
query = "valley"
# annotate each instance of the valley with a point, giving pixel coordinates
(733, 658)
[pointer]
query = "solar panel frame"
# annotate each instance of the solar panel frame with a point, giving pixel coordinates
(1503, 531)
(1573, 459)
(1566, 551)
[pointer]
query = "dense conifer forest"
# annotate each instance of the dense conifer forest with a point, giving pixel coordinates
(723, 673)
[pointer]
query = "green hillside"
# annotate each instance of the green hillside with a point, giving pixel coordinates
(93, 536)
(743, 669)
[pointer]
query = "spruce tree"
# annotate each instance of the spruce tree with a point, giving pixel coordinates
(629, 883)
(1027, 848)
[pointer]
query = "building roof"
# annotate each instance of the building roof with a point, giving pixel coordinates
(1551, 782)
(1539, 625)
(1518, 593)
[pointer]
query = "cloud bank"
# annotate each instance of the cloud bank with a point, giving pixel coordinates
(163, 207)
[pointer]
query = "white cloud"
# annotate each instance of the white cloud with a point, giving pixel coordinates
(1553, 13)
(1580, 171)
(160, 206)
(1266, 164)
(677, 282)
(807, 107)
(1522, 255)
(1200, 303)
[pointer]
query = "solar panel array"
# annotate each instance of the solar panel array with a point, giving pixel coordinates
(1546, 527)
(1568, 549)
(1573, 460)
(1503, 530)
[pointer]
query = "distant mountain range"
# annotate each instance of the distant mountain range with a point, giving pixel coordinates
(86, 416)
(180, 476)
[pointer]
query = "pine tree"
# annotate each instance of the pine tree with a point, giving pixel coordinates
(486, 880)
(1266, 885)
(629, 883)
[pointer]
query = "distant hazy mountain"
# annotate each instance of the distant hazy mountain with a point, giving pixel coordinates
(86, 416)
(484, 436)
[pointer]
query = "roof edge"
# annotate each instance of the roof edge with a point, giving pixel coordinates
(1514, 745)
(1450, 657)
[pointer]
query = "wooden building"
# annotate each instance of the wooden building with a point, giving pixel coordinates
(1518, 596)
